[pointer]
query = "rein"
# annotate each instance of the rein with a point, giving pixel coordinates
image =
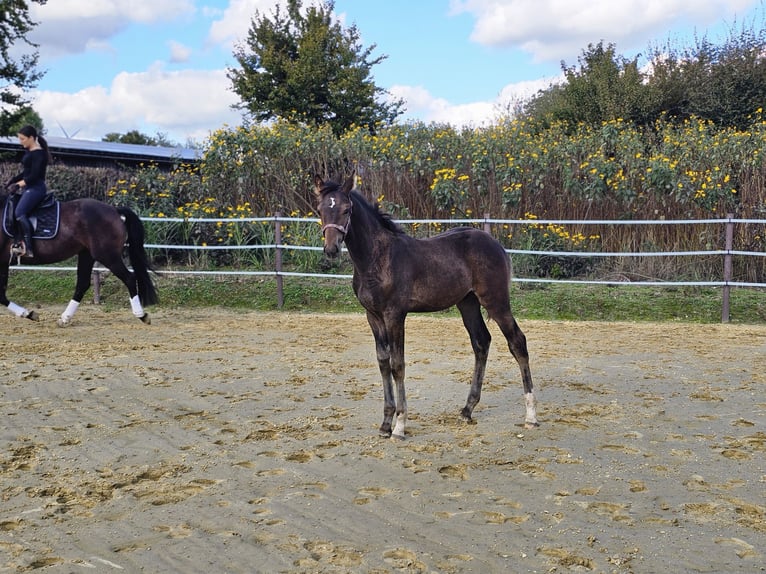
(342, 228)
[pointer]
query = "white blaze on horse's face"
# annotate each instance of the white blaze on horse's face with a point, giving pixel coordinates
(336, 218)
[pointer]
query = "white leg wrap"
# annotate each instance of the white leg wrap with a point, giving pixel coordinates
(17, 310)
(531, 402)
(69, 312)
(135, 304)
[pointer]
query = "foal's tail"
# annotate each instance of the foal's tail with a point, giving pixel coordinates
(138, 259)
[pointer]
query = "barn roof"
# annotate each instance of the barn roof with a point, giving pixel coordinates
(88, 152)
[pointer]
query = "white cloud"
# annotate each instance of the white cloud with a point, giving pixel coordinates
(184, 104)
(235, 21)
(556, 29)
(421, 104)
(179, 53)
(73, 26)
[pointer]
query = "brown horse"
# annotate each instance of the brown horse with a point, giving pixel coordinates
(395, 274)
(93, 231)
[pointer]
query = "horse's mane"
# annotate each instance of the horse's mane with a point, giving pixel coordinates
(385, 219)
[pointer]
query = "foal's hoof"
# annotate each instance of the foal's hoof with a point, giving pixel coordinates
(61, 323)
(534, 425)
(146, 319)
(32, 316)
(399, 437)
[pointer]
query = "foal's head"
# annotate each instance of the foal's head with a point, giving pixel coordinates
(334, 206)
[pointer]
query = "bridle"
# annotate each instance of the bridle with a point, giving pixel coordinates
(342, 228)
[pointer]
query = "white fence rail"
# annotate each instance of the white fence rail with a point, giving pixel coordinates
(726, 251)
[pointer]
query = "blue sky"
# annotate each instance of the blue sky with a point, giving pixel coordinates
(160, 66)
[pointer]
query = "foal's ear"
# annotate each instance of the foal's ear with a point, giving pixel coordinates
(318, 183)
(348, 185)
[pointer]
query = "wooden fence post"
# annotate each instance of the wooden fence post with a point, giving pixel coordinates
(95, 279)
(727, 268)
(278, 258)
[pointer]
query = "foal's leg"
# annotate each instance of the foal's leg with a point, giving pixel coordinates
(474, 323)
(517, 344)
(395, 328)
(382, 350)
(84, 268)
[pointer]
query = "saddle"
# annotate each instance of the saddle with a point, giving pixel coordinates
(45, 218)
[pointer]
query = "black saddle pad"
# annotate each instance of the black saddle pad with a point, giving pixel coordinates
(45, 218)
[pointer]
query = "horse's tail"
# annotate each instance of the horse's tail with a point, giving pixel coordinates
(138, 259)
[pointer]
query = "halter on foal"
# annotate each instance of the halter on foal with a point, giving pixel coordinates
(395, 274)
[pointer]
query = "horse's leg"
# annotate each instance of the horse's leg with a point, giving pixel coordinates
(470, 310)
(17, 310)
(85, 263)
(118, 269)
(395, 330)
(517, 344)
(382, 350)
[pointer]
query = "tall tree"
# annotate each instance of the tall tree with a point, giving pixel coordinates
(18, 68)
(724, 83)
(305, 67)
(604, 87)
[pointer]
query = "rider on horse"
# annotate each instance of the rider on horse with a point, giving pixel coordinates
(30, 182)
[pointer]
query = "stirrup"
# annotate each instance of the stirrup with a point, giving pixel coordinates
(18, 249)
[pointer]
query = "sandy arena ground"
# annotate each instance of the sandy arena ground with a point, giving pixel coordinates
(216, 441)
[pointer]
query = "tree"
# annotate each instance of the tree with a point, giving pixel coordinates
(307, 68)
(26, 116)
(723, 83)
(604, 87)
(138, 138)
(18, 73)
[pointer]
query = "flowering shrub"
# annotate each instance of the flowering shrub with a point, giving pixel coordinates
(615, 171)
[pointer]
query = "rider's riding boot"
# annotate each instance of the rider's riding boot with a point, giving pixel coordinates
(26, 227)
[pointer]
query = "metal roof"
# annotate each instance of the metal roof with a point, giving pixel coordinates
(74, 148)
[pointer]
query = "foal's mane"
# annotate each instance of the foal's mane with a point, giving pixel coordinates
(359, 201)
(383, 218)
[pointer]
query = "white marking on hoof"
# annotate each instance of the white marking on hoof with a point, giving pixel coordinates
(401, 421)
(64, 322)
(530, 421)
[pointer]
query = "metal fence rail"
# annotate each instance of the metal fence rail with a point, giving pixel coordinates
(726, 252)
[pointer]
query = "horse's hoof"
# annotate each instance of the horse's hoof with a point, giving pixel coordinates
(32, 316)
(61, 323)
(466, 418)
(534, 425)
(398, 437)
(146, 319)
